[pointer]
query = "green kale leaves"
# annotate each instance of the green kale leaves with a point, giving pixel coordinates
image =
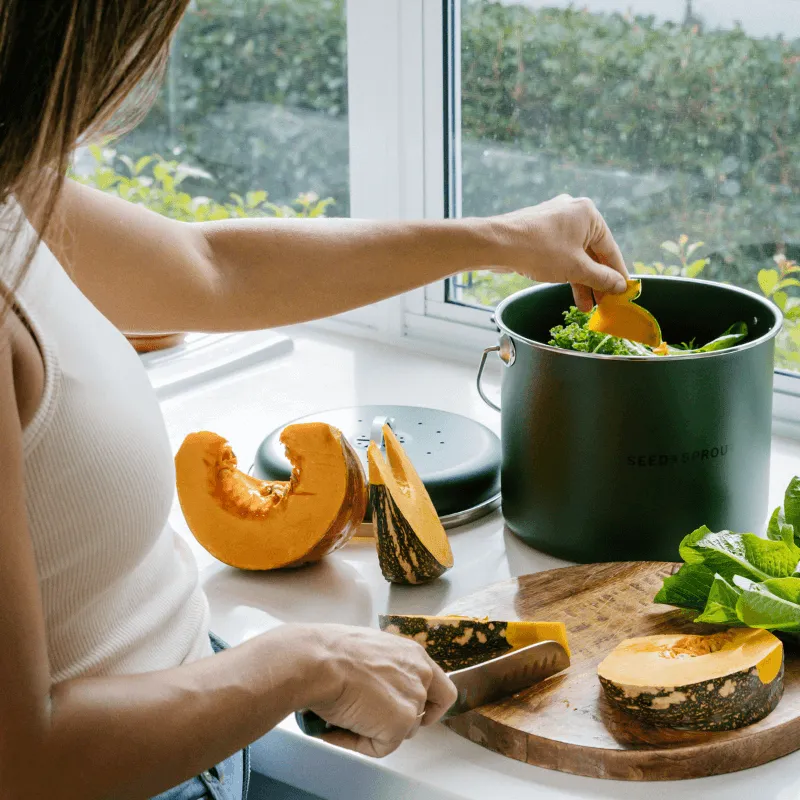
(574, 335)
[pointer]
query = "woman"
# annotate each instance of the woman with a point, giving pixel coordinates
(110, 683)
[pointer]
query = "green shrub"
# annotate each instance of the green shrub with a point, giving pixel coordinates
(775, 284)
(665, 126)
(256, 94)
(156, 183)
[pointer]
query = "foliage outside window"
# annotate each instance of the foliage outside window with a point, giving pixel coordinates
(686, 137)
(158, 184)
(680, 133)
(251, 120)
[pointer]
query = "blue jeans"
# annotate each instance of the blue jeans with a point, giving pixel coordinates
(228, 780)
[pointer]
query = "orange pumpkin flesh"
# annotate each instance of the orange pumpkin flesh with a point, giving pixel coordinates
(617, 315)
(260, 525)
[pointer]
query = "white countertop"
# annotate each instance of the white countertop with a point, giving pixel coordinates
(326, 371)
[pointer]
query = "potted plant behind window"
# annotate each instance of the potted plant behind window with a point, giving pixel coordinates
(155, 182)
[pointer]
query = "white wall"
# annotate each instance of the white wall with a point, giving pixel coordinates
(762, 18)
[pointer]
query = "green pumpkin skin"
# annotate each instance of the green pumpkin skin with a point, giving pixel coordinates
(717, 704)
(402, 557)
(452, 645)
(455, 642)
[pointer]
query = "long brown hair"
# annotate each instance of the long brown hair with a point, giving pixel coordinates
(70, 70)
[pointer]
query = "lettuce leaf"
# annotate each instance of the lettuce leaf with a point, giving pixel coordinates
(742, 579)
(687, 588)
(730, 338)
(791, 505)
(773, 604)
(743, 554)
(777, 522)
(687, 546)
(720, 609)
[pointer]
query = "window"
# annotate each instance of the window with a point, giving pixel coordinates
(251, 119)
(681, 120)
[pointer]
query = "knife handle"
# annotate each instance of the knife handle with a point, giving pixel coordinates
(312, 724)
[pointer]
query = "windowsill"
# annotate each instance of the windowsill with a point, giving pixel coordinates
(327, 371)
(206, 357)
(464, 342)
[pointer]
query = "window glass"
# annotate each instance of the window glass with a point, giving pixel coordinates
(680, 119)
(251, 119)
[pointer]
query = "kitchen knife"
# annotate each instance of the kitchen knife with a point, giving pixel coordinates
(483, 683)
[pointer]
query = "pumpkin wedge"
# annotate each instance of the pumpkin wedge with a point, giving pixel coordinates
(261, 525)
(716, 682)
(456, 642)
(617, 315)
(412, 544)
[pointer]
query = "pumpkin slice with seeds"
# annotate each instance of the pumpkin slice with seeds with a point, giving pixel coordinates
(617, 315)
(412, 544)
(716, 682)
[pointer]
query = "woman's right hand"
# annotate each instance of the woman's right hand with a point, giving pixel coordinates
(562, 240)
(378, 687)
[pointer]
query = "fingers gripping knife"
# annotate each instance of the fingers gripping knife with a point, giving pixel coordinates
(483, 683)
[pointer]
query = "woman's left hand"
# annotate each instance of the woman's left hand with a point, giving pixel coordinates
(563, 240)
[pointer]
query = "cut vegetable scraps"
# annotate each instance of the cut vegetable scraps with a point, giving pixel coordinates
(574, 335)
(617, 315)
(578, 333)
(740, 579)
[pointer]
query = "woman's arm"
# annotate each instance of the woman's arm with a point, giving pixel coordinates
(148, 273)
(134, 737)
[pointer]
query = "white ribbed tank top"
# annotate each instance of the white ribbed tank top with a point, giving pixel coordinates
(119, 587)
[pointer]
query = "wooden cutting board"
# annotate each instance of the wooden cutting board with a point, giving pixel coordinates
(565, 722)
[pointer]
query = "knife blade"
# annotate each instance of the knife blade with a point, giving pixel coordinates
(482, 683)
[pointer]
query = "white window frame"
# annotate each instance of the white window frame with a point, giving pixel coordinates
(396, 75)
(396, 85)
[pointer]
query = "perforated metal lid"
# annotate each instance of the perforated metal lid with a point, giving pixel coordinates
(457, 458)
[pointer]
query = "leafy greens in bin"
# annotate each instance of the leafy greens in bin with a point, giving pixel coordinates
(575, 335)
(740, 579)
